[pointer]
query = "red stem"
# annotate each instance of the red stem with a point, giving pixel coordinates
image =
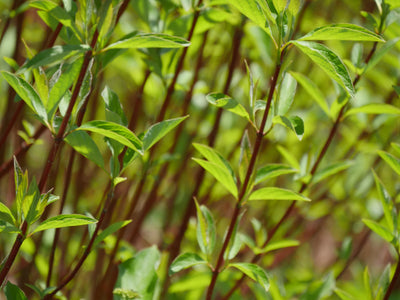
(257, 145)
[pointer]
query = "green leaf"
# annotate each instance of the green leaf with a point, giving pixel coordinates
(54, 55)
(253, 271)
(218, 167)
(274, 193)
(387, 205)
(201, 228)
(313, 90)
(116, 132)
(13, 292)
(287, 91)
(328, 61)
(139, 274)
(380, 230)
(343, 295)
(342, 32)
(157, 131)
(184, 261)
(252, 9)
(294, 123)
(331, 170)
(84, 144)
(114, 110)
(381, 52)
(27, 93)
(62, 221)
(6, 214)
(271, 171)
(221, 174)
(396, 147)
(109, 231)
(391, 160)
(289, 157)
(374, 108)
(63, 83)
(278, 245)
(30, 204)
(58, 13)
(226, 102)
(150, 40)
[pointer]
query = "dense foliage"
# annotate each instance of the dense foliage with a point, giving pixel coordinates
(199, 149)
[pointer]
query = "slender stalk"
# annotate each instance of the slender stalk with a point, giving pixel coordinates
(13, 253)
(11, 93)
(67, 181)
(244, 187)
(151, 199)
(179, 67)
(393, 282)
(59, 137)
(304, 186)
(88, 249)
(7, 166)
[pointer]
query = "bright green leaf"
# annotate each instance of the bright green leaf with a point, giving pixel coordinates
(294, 123)
(381, 52)
(27, 93)
(342, 32)
(184, 261)
(253, 10)
(13, 292)
(150, 40)
(271, 171)
(313, 90)
(58, 13)
(62, 221)
(84, 144)
(274, 193)
(157, 131)
(328, 61)
(287, 92)
(54, 55)
(331, 170)
(6, 214)
(109, 231)
(63, 83)
(386, 202)
(380, 230)
(289, 157)
(226, 102)
(374, 108)
(391, 160)
(279, 245)
(221, 174)
(139, 274)
(114, 131)
(253, 271)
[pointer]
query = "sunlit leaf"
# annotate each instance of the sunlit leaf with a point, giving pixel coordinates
(342, 32)
(150, 40)
(84, 144)
(380, 230)
(274, 193)
(157, 131)
(226, 102)
(391, 160)
(114, 131)
(27, 93)
(253, 271)
(374, 108)
(61, 221)
(184, 261)
(328, 61)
